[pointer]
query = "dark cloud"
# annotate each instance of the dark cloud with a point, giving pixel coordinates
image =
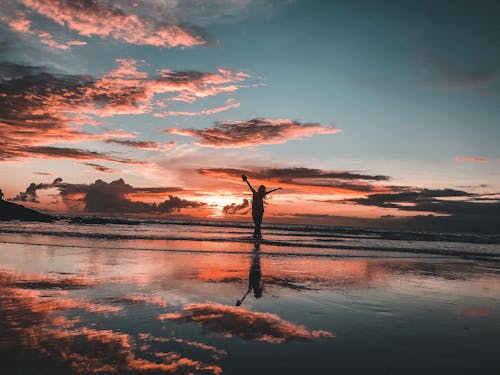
(462, 74)
(9, 71)
(290, 173)
(144, 145)
(29, 195)
(74, 153)
(233, 208)
(429, 200)
(114, 196)
(101, 168)
(427, 223)
(304, 178)
(243, 323)
(253, 132)
(460, 43)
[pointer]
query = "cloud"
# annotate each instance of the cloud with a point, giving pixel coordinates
(456, 56)
(243, 323)
(462, 74)
(40, 108)
(253, 132)
(308, 179)
(230, 103)
(437, 201)
(101, 168)
(18, 22)
(470, 159)
(216, 352)
(113, 197)
(215, 11)
(29, 195)
(39, 322)
(101, 196)
(143, 145)
(69, 153)
(240, 209)
(103, 19)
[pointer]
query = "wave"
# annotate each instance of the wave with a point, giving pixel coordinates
(318, 245)
(327, 233)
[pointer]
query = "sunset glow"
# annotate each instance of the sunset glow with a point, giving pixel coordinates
(156, 109)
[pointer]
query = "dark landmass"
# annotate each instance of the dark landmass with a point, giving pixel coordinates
(12, 211)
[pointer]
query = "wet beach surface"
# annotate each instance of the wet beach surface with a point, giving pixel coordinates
(84, 305)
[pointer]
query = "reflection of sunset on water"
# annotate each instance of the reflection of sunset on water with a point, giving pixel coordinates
(90, 309)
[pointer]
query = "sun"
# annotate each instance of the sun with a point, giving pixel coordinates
(218, 202)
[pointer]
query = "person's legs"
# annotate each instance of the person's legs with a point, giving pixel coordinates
(257, 220)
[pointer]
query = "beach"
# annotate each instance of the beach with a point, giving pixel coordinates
(161, 298)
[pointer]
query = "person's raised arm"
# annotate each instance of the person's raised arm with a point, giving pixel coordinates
(270, 191)
(244, 178)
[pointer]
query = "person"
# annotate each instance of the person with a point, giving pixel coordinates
(1, 195)
(254, 277)
(258, 205)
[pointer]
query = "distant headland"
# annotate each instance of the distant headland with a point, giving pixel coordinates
(12, 211)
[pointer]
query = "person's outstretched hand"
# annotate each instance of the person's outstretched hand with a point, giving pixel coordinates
(243, 177)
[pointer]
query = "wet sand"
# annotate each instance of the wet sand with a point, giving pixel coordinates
(94, 306)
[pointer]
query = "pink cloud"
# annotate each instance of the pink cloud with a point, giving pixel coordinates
(243, 323)
(39, 108)
(196, 344)
(38, 322)
(254, 132)
(91, 18)
(21, 24)
(470, 159)
(77, 43)
(230, 103)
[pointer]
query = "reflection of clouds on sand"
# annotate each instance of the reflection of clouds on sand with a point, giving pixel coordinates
(42, 281)
(240, 322)
(94, 351)
(304, 274)
(143, 299)
(216, 352)
(51, 323)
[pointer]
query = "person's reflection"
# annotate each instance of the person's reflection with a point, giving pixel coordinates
(254, 276)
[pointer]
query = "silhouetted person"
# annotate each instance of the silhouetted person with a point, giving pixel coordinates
(254, 276)
(258, 205)
(1, 195)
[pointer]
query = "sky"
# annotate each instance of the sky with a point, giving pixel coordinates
(364, 112)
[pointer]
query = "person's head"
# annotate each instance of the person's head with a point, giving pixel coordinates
(262, 189)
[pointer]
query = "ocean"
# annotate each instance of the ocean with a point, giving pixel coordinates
(280, 239)
(205, 298)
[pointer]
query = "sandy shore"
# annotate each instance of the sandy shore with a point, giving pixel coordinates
(96, 307)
